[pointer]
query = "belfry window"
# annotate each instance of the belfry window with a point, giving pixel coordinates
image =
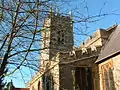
(60, 37)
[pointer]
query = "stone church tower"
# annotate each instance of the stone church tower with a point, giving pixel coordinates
(57, 35)
(63, 67)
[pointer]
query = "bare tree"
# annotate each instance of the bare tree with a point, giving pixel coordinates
(20, 27)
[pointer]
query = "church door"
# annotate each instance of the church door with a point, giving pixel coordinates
(83, 78)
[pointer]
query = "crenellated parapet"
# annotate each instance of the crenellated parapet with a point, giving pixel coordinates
(74, 55)
(90, 47)
(97, 39)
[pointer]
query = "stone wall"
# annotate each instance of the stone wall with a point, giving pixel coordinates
(51, 67)
(66, 78)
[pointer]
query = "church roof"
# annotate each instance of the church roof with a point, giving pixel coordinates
(111, 47)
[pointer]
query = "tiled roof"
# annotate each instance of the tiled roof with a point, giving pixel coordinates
(111, 47)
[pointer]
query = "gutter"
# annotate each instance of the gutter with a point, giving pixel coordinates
(107, 57)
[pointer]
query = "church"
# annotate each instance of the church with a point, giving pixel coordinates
(94, 65)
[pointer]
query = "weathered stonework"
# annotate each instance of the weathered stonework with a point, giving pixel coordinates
(64, 67)
(57, 36)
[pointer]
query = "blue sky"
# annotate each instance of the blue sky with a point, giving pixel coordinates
(85, 7)
(96, 7)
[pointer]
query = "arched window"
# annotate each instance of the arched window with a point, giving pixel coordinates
(33, 88)
(61, 37)
(107, 77)
(111, 80)
(39, 85)
(106, 80)
(47, 82)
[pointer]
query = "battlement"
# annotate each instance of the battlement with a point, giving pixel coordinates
(78, 53)
(97, 39)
